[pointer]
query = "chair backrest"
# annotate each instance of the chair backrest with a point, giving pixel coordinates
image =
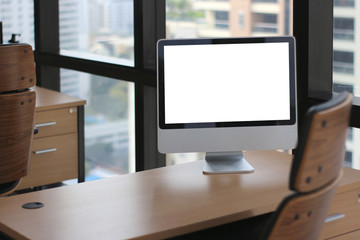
(315, 172)
(17, 113)
(17, 69)
(302, 216)
(321, 148)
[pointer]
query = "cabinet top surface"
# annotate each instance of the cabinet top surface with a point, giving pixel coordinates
(47, 99)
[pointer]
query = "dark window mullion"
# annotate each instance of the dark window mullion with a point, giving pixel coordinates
(46, 14)
(139, 99)
(149, 26)
(313, 30)
(97, 68)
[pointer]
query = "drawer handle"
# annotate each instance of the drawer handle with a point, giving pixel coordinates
(45, 151)
(45, 124)
(334, 217)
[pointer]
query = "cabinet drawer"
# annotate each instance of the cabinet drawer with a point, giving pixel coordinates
(346, 207)
(54, 122)
(53, 159)
(349, 236)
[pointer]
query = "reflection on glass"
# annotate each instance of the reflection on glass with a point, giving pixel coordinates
(109, 122)
(17, 17)
(100, 30)
(225, 18)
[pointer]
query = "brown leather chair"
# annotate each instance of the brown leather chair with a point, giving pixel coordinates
(315, 172)
(17, 111)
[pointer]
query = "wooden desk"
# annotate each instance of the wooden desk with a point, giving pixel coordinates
(58, 147)
(154, 204)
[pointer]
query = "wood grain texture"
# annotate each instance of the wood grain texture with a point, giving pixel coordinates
(303, 216)
(154, 204)
(324, 150)
(315, 172)
(17, 67)
(64, 121)
(346, 203)
(349, 236)
(52, 167)
(48, 100)
(16, 132)
(62, 134)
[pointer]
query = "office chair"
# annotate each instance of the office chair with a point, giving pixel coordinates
(17, 111)
(315, 173)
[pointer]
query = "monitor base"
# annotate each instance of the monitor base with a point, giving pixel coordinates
(225, 163)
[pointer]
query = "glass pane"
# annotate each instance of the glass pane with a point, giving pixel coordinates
(346, 67)
(109, 122)
(352, 155)
(225, 18)
(101, 30)
(17, 17)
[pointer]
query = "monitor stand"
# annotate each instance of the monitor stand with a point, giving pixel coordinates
(226, 162)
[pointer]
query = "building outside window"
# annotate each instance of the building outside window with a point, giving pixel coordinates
(346, 67)
(17, 17)
(344, 28)
(344, 3)
(344, 62)
(101, 30)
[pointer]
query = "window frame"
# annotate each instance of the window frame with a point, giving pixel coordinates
(313, 30)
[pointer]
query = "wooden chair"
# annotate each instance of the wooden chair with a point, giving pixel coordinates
(17, 111)
(315, 172)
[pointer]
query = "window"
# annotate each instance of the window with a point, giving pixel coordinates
(344, 3)
(312, 21)
(241, 19)
(344, 28)
(195, 18)
(99, 30)
(97, 50)
(222, 19)
(265, 23)
(17, 17)
(109, 122)
(346, 67)
(264, 1)
(352, 156)
(348, 159)
(343, 62)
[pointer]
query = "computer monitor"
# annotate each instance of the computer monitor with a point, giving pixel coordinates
(224, 96)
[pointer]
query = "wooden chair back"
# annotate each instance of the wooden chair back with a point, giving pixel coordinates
(17, 113)
(321, 148)
(315, 172)
(302, 216)
(17, 69)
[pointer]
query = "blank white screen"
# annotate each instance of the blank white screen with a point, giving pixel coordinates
(226, 82)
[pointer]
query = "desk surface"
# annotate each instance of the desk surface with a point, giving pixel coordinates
(47, 99)
(153, 204)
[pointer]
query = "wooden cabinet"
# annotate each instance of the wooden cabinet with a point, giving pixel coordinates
(344, 213)
(348, 236)
(57, 149)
